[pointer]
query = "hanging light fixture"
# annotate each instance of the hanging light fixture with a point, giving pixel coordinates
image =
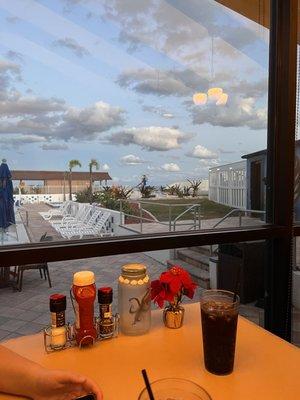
(222, 100)
(200, 99)
(216, 94)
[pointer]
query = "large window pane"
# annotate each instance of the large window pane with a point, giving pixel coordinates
(235, 266)
(109, 100)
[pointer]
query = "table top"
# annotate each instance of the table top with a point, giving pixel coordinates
(266, 366)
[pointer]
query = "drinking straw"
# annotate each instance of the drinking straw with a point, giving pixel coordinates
(147, 383)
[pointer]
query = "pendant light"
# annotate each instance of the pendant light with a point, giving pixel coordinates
(200, 99)
(215, 94)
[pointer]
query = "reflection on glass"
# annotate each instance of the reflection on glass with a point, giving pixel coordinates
(159, 104)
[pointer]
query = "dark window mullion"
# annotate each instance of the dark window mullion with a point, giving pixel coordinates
(33, 253)
(281, 155)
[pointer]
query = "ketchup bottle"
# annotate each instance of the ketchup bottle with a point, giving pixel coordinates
(84, 292)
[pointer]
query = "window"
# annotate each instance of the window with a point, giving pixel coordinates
(263, 181)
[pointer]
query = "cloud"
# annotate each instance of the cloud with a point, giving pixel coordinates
(9, 73)
(171, 167)
(16, 141)
(54, 146)
(50, 118)
(158, 110)
(12, 19)
(181, 30)
(105, 167)
(161, 83)
(85, 123)
(15, 56)
(151, 138)
(72, 45)
(19, 106)
(131, 159)
(202, 153)
(237, 113)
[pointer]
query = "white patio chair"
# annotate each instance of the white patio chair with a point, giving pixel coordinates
(59, 212)
(97, 229)
(79, 216)
(89, 220)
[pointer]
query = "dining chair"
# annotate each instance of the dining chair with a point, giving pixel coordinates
(42, 267)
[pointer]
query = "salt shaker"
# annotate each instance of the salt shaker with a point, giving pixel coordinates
(134, 300)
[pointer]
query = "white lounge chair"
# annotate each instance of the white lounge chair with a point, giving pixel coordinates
(58, 212)
(80, 216)
(89, 220)
(97, 229)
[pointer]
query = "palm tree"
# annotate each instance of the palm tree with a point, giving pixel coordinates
(72, 164)
(194, 185)
(92, 163)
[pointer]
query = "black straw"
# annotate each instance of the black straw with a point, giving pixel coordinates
(147, 383)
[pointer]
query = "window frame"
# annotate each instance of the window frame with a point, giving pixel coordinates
(278, 231)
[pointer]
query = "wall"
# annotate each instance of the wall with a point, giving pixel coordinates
(228, 184)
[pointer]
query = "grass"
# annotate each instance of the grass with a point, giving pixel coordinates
(209, 209)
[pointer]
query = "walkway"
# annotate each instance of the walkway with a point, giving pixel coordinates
(27, 312)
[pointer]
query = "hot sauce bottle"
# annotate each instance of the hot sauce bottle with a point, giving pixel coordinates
(84, 293)
(58, 304)
(106, 320)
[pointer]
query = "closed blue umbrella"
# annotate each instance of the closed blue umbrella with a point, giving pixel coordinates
(7, 214)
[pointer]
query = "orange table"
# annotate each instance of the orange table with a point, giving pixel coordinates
(266, 368)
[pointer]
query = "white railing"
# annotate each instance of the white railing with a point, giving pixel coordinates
(228, 184)
(41, 198)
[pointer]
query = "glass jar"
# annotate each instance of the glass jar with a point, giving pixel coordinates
(134, 300)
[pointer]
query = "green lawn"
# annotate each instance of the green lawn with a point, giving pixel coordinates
(209, 209)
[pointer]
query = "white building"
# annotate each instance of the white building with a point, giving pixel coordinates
(228, 184)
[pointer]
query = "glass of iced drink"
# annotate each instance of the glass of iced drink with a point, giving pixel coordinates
(219, 316)
(175, 389)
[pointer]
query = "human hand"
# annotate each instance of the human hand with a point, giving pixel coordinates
(63, 385)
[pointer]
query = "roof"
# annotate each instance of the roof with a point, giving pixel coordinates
(58, 175)
(263, 152)
(255, 154)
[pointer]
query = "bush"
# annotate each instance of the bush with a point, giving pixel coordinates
(109, 198)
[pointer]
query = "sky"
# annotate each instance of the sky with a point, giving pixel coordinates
(114, 80)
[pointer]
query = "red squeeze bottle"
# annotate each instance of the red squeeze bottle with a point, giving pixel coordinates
(84, 292)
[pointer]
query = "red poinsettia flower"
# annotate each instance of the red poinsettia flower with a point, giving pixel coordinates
(172, 285)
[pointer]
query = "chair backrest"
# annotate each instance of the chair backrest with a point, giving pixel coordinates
(102, 221)
(94, 216)
(65, 207)
(84, 213)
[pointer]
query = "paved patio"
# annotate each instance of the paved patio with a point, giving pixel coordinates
(27, 312)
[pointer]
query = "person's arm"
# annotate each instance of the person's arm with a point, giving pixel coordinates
(23, 377)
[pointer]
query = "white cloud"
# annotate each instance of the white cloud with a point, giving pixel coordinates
(131, 159)
(238, 112)
(181, 82)
(19, 106)
(202, 153)
(50, 117)
(171, 167)
(16, 141)
(84, 123)
(105, 167)
(72, 45)
(158, 110)
(151, 138)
